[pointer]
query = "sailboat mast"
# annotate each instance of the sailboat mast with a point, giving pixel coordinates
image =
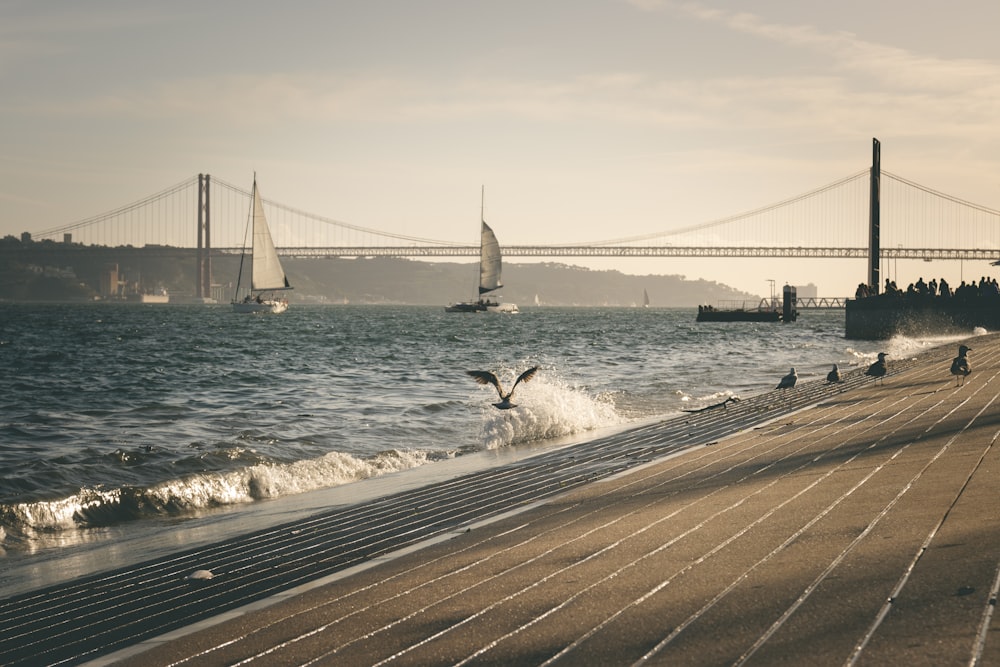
(253, 226)
(246, 232)
(482, 204)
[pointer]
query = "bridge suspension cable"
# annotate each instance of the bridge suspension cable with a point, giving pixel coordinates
(330, 221)
(918, 222)
(139, 205)
(739, 217)
(916, 215)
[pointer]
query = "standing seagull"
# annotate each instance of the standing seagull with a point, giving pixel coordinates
(486, 377)
(834, 375)
(789, 380)
(960, 365)
(878, 369)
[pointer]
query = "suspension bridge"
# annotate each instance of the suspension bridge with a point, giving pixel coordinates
(870, 214)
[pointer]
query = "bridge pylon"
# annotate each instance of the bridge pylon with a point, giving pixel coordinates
(873, 217)
(203, 270)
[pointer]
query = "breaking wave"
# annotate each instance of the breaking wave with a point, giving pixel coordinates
(547, 408)
(92, 507)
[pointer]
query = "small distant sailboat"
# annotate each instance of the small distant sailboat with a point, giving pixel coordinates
(264, 272)
(645, 298)
(489, 274)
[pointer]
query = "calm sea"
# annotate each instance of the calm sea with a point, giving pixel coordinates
(126, 420)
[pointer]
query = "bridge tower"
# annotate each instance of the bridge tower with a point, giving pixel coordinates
(203, 270)
(873, 217)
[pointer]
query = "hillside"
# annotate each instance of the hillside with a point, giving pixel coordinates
(385, 280)
(48, 271)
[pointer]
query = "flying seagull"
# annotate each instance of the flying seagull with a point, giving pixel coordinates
(834, 375)
(960, 365)
(878, 369)
(486, 377)
(788, 381)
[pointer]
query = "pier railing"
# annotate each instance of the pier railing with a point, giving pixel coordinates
(807, 303)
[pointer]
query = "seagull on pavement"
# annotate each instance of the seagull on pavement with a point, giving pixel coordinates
(789, 380)
(486, 377)
(960, 365)
(834, 375)
(878, 369)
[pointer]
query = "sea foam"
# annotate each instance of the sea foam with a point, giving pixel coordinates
(97, 507)
(546, 408)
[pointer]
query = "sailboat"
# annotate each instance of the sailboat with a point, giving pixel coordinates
(489, 275)
(645, 298)
(265, 273)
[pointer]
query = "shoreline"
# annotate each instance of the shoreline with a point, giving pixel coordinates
(425, 515)
(136, 542)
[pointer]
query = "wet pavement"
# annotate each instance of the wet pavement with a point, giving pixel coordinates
(827, 524)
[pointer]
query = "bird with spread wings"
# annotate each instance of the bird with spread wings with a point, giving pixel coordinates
(486, 377)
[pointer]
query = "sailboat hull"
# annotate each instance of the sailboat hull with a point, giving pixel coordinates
(466, 307)
(273, 307)
(482, 307)
(508, 308)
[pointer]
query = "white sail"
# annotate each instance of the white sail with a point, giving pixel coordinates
(267, 271)
(489, 261)
(489, 275)
(266, 274)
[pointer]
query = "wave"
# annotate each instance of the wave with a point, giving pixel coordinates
(903, 347)
(94, 507)
(547, 408)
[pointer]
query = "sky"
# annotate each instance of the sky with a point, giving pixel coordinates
(585, 120)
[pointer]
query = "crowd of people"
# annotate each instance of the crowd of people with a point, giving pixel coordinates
(985, 288)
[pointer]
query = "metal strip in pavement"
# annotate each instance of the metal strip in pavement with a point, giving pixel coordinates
(104, 613)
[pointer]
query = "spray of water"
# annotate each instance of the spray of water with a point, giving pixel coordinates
(96, 507)
(547, 407)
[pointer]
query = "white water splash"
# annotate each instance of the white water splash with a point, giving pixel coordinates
(906, 347)
(202, 491)
(546, 408)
